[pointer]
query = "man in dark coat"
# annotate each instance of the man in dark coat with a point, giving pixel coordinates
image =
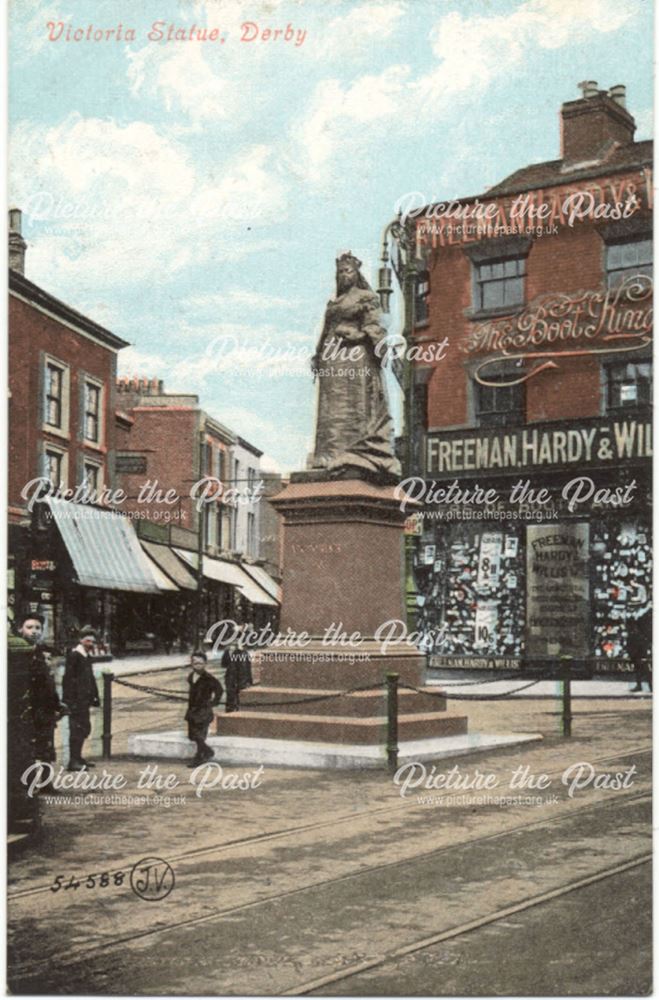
(47, 709)
(42, 702)
(231, 664)
(205, 692)
(639, 645)
(237, 673)
(80, 694)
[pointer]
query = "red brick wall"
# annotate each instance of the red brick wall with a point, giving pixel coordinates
(168, 438)
(31, 332)
(570, 261)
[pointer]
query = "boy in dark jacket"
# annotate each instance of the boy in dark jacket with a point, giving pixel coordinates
(80, 694)
(205, 692)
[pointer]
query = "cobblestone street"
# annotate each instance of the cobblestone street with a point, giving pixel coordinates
(323, 881)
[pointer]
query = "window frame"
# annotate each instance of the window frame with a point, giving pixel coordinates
(620, 273)
(62, 454)
(251, 534)
(480, 283)
(638, 403)
(91, 382)
(90, 463)
(62, 428)
(499, 417)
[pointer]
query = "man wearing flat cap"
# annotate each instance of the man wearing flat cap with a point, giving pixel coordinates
(80, 694)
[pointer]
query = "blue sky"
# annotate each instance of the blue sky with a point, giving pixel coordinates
(193, 196)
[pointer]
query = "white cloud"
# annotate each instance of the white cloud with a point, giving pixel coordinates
(238, 297)
(270, 464)
(356, 33)
(471, 51)
(29, 27)
(134, 362)
(644, 123)
(474, 50)
(336, 117)
(183, 79)
(240, 349)
(115, 204)
(268, 434)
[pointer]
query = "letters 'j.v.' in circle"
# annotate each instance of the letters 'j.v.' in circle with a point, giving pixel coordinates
(152, 879)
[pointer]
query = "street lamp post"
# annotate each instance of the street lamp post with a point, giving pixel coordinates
(406, 273)
(201, 545)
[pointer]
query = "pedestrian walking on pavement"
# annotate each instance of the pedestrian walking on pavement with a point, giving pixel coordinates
(231, 662)
(205, 692)
(80, 694)
(245, 664)
(41, 699)
(639, 645)
(47, 708)
(237, 665)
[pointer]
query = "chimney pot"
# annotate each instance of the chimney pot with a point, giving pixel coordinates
(593, 124)
(17, 245)
(588, 88)
(619, 94)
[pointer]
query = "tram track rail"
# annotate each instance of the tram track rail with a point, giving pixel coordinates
(267, 836)
(220, 913)
(461, 930)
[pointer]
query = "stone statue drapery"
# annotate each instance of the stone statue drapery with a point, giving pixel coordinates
(354, 428)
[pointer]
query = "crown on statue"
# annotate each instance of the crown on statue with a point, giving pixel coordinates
(349, 258)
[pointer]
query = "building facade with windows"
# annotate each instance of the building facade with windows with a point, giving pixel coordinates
(62, 373)
(185, 476)
(246, 479)
(542, 286)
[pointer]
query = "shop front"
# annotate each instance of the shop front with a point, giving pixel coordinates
(87, 568)
(234, 591)
(554, 566)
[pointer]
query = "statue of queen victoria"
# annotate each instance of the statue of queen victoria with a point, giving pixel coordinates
(354, 429)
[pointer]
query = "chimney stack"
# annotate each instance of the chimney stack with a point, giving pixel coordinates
(17, 245)
(594, 124)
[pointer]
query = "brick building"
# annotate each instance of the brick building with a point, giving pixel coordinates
(62, 375)
(541, 290)
(189, 481)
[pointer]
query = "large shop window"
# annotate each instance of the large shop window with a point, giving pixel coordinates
(628, 385)
(499, 283)
(621, 561)
(471, 591)
(499, 405)
(625, 259)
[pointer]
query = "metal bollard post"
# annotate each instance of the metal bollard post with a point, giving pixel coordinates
(567, 703)
(107, 715)
(392, 722)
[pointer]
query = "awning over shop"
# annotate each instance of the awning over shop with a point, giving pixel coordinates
(170, 564)
(254, 593)
(231, 574)
(163, 581)
(264, 581)
(103, 547)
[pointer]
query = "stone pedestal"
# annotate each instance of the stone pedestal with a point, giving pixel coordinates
(343, 569)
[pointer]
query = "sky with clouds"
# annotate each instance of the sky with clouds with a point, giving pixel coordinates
(192, 196)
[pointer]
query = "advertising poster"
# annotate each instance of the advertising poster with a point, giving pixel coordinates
(329, 517)
(558, 592)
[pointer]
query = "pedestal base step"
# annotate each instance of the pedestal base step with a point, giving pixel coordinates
(364, 704)
(236, 750)
(338, 729)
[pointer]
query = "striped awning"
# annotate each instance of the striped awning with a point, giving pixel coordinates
(170, 564)
(264, 581)
(103, 547)
(232, 574)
